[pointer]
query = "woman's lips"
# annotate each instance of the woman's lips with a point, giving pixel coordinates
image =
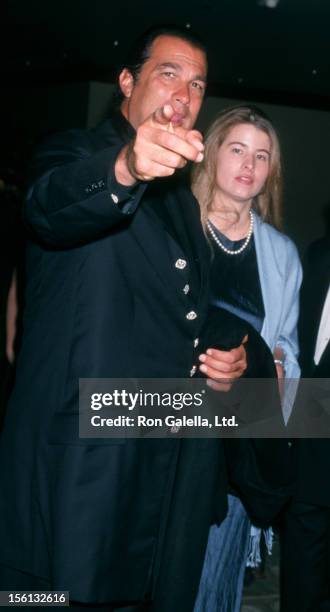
(245, 180)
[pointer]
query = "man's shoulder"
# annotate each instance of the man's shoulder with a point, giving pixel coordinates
(316, 266)
(318, 252)
(71, 146)
(92, 139)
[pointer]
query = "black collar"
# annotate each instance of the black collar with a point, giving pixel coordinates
(123, 128)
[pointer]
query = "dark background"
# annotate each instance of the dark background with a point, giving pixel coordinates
(58, 60)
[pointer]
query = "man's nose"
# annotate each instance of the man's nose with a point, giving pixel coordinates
(183, 94)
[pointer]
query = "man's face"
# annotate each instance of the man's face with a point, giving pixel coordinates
(175, 73)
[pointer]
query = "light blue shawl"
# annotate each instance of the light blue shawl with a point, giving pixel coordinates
(280, 279)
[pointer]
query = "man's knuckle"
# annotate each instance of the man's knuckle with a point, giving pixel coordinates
(166, 139)
(169, 159)
(141, 166)
(135, 150)
(168, 171)
(162, 138)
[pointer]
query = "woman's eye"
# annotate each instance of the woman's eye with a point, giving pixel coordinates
(236, 150)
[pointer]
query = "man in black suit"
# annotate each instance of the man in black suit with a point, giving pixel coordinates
(117, 287)
(306, 532)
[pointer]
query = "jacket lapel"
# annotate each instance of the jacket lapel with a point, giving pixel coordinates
(321, 280)
(322, 370)
(313, 293)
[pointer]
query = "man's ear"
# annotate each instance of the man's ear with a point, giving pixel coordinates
(126, 82)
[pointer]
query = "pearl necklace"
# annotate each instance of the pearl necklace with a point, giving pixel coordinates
(222, 246)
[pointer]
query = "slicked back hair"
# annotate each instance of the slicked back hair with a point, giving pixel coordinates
(141, 48)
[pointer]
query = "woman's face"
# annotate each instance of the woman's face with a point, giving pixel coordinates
(243, 163)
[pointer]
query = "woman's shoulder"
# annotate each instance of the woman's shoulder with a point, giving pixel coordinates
(275, 236)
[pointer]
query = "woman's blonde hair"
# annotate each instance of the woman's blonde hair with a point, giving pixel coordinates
(268, 203)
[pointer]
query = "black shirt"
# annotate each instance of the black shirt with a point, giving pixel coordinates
(235, 283)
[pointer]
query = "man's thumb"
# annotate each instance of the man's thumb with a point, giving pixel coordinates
(163, 115)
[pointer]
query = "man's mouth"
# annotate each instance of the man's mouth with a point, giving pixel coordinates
(177, 119)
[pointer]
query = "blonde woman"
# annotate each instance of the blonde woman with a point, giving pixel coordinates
(256, 275)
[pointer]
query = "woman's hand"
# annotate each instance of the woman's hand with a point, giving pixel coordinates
(279, 364)
(222, 368)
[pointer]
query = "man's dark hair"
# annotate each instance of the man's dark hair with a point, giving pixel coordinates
(140, 50)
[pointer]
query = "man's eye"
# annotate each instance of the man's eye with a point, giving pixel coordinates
(198, 86)
(168, 74)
